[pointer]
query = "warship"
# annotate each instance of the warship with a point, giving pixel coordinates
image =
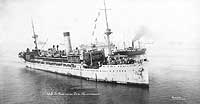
(123, 66)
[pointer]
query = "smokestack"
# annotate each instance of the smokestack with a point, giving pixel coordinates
(67, 42)
(132, 44)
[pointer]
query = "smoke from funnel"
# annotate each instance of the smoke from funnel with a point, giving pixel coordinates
(141, 32)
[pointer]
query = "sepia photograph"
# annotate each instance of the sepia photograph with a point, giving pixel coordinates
(99, 52)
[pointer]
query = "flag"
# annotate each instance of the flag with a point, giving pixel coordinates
(95, 26)
(92, 33)
(97, 17)
(98, 14)
(95, 20)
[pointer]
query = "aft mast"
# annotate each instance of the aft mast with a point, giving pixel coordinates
(34, 36)
(108, 30)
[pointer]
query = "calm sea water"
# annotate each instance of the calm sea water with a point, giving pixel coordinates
(174, 79)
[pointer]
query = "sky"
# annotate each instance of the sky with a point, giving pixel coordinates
(166, 21)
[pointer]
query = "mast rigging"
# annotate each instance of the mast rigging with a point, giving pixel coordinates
(108, 31)
(34, 36)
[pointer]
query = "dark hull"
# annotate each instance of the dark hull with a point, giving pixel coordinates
(130, 53)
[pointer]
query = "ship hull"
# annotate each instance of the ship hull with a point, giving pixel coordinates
(131, 53)
(122, 74)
